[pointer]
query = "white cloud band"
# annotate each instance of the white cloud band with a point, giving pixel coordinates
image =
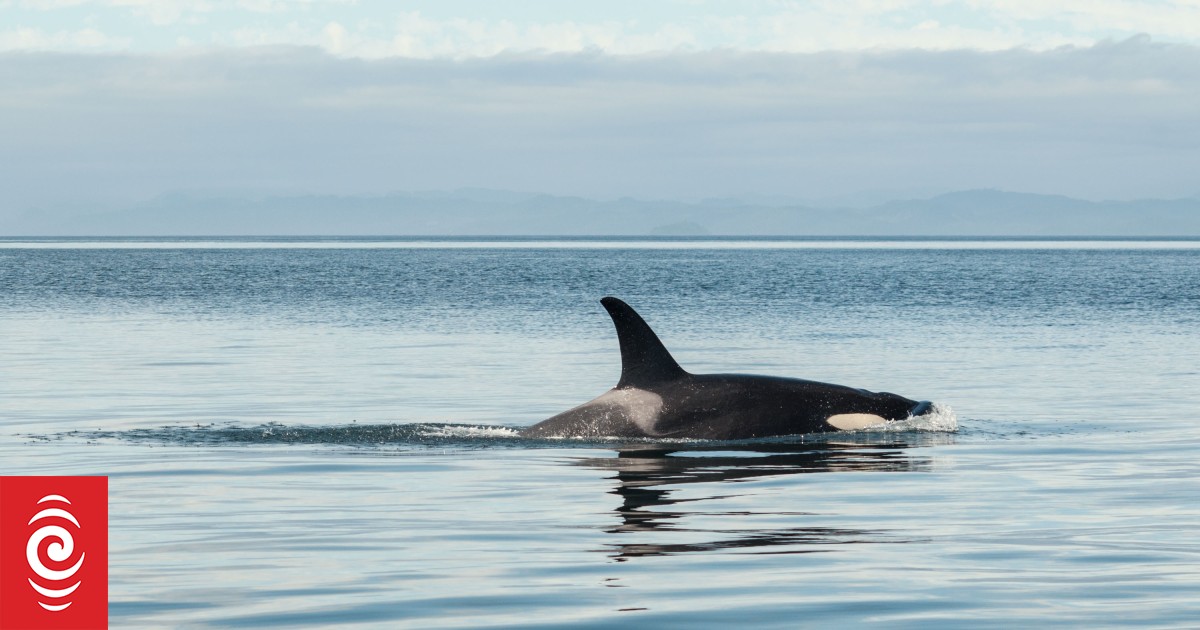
(378, 28)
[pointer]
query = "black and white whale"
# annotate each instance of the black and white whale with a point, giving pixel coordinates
(656, 398)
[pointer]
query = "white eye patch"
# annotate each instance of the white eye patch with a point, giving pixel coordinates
(852, 421)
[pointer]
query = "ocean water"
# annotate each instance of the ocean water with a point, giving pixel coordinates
(313, 433)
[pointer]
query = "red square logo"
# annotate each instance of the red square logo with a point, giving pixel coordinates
(53, 552)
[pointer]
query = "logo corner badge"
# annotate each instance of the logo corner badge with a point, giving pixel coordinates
(53, 552)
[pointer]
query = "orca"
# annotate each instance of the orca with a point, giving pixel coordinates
(656, 398)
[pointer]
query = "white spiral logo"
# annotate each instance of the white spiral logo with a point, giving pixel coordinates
(59, 551)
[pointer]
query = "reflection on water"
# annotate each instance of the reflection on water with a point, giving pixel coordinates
(649, 477)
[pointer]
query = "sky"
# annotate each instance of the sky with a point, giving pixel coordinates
(480, 28)
(116, 101)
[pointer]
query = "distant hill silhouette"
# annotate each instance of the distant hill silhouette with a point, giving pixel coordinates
(481, 212)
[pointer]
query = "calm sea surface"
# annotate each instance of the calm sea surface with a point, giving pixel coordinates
(319, 433)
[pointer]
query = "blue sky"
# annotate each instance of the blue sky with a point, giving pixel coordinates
(108, 103)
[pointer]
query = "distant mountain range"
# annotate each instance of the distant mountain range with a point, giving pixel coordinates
(481, 212)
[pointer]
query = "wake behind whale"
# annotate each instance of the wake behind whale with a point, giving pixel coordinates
(419, 435)
(656, 398)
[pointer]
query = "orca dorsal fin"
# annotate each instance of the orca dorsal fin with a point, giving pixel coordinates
(644, 359)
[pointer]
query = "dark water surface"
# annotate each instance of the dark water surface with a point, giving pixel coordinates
(322, 433)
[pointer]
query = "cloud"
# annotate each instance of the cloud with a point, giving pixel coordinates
(790, 28)
(157, 11)
(165, 12)
(465, 29)
(37, 39)
(1114, 120)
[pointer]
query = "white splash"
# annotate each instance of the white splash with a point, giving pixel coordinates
(469, 431)
(940, 419)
